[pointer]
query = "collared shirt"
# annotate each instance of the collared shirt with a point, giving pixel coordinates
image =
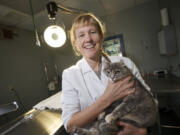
(81, 86)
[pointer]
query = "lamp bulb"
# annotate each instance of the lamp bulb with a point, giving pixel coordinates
(55, 36)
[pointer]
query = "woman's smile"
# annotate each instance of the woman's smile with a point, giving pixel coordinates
(89, 46)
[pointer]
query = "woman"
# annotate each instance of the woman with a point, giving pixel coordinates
(86, 91)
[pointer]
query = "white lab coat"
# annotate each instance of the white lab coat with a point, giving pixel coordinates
(81, 86)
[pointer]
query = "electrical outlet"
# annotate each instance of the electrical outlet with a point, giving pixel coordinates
(10, 87)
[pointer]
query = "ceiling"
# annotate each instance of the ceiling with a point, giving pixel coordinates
(17, 13)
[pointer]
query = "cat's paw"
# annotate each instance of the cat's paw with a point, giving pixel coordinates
(109, 118)
(101, 115)
(74, 129)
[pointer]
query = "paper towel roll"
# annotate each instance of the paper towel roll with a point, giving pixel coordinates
(164, 17)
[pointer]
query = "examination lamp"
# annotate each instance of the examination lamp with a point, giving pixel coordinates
(54, 35)
(52, 9)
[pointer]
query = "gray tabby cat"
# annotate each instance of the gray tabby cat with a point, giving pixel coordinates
(138, 109)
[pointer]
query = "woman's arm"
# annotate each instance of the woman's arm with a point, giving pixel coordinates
(131, 130)
(113, 92)
(88, 115)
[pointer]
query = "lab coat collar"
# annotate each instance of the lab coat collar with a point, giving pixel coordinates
(86, 67)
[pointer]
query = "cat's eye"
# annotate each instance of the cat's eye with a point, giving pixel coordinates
(108, 71)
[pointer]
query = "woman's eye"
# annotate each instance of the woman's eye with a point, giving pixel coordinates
(81, 35)
(93, 32)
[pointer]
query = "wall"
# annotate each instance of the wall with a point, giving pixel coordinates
(64, 57)
(174, 19)
(21, 66)
(139, 27)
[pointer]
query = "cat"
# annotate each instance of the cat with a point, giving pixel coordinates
(138, 109)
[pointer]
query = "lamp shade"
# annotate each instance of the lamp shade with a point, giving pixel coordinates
(55, 36)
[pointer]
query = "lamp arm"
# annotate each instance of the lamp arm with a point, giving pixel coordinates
(70, 10)
(52, 8)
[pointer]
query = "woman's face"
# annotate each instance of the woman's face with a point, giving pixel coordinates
(88, 41)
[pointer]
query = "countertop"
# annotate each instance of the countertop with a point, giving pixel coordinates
(168, 84)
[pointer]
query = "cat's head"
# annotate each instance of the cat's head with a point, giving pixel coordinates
(116, 71)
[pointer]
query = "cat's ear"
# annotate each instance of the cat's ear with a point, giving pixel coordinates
(107, 63)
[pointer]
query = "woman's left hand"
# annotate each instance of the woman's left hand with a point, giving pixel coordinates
(131, 130)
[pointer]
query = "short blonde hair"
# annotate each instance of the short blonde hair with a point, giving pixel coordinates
(85, 19)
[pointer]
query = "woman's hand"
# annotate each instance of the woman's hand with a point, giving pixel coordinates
(131, 130)
(119, 89)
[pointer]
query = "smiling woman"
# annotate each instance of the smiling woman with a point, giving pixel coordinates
(86, 90)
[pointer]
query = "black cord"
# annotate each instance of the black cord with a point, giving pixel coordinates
(19, 100)
(33, 20)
